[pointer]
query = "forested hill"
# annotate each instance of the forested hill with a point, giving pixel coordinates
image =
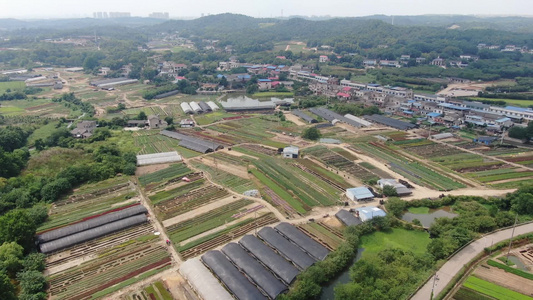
(366, 33)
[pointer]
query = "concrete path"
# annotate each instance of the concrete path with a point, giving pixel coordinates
(454, 265)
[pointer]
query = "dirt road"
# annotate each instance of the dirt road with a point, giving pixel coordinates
(463, 257)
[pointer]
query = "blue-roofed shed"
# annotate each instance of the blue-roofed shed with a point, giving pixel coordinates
(359, 193)
(434, 115)
(487, 140)
(264, 80)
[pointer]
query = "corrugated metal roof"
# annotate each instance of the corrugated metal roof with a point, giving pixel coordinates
(91, 223)
(234, 280)
(304, 116)
(390, 122)
(347, 218)
(360, 193)
(287, 249)
(282, 268)
(254, 270)
(192, 143)
(301, 239)
(358, 120)
(203, 281)
(90, 234)
(158, 158)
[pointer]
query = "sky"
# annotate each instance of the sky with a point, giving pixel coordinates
(261, 8)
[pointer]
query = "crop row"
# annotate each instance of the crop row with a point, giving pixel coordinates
(202, 223)
(75, 282)
(189, 201)
(175, 192)
(281, 193)
(492, 290)
(414, 171)
(306, 187)
(499, 177)
(155, 143)
(175, 170)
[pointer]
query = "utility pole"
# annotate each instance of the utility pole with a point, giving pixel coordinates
(511, 240)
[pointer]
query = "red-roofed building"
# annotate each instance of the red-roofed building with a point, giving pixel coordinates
(275, 84)
(346, 89)
(281, 57)
(323, 58)
(343, 96)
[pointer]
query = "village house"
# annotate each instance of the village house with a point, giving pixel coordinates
(84, 129)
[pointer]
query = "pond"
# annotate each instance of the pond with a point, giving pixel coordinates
(243, 101)
(429, 218)
(515, 260)
(328, 292)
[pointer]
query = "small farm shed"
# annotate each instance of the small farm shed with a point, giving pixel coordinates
(359, 193)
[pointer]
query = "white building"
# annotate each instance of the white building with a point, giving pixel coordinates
(290, 152)
(359, 194)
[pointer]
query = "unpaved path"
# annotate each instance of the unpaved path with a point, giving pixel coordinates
(453, 266)
(294, 119)
(505, 279)
(199, 211)
(155, 222)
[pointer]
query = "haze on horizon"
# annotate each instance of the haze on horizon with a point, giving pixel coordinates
(30, 9)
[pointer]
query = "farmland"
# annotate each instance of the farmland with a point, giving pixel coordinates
(97, 267)
(342, 160)
(413, 170)
(226, 179)
(11, 85)
(213, 219)
(157, 290)
(174, 171)
(306, 189)
(492, 290)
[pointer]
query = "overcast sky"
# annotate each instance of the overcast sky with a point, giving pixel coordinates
(261, 8)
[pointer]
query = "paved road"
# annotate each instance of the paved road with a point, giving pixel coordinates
(454, 265)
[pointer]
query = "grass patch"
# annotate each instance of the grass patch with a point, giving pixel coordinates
(411, 240)
(419, 210)
(164, 293)
(12, 85)
(493, 290)
(209, 118)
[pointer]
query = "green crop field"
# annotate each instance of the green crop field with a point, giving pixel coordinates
(165, 195)
(468, 294)
(176, 170)
(11, 85)
(514, 102)
(493, 290)
(274, 94)
(411, 240)
(498, 177)
(213, 117)
(202, 223)
(282, 193)
(412, 170)
(307, 188)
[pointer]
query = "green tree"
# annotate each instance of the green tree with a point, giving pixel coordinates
(34, 262)
(169, 120)
(7, 290)
(16, 226)
(11, 255)
(311, 133)
(396, 206)
(142, 116)
(39, 144)
(390, 191)
(32, 283)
